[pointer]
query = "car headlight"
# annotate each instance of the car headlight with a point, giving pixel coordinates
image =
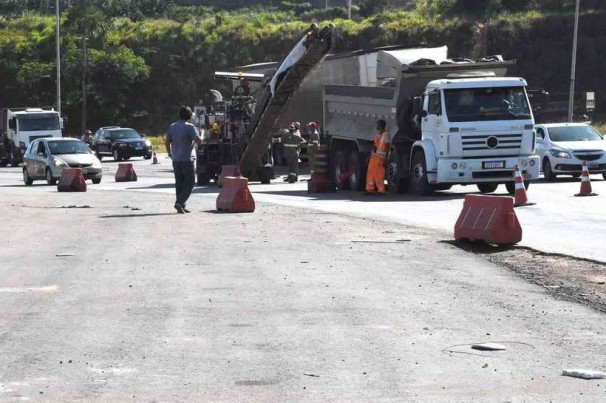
(560, 153)
(148, 143)
(58, 162)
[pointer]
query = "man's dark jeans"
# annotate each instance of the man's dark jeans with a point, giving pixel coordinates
(184, 180)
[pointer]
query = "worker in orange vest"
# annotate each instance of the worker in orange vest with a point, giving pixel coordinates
(375, 177)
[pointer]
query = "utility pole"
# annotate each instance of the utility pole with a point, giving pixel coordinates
(84, 68)
(574, 62)
(349, 9)
(58, 40)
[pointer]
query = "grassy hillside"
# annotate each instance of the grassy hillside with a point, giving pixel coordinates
(139, 72)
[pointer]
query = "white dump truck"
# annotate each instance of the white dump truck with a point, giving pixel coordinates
(452, 122)
(19, 126)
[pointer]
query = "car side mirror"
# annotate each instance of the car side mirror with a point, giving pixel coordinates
(424, 113)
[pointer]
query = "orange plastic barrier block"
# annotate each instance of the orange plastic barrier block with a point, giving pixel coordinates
(126, 173)
(228, 170)
(71, 181)
(488, 218)
(235, 196)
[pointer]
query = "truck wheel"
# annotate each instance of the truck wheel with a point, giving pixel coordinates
(26, 178)
(13, 160)
(339, 168)
(394, 172)
(547, 171)
(117, 156)
(418, 178)
(356, 180)
(511, 186)
(488, 187)
(49, 177)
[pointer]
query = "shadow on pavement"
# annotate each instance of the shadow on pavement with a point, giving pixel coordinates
(136, 215)
(359, 196)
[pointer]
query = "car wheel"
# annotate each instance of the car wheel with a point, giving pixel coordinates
(511, 187)
(418, 178)
(126, 158)
(117, 156)
(148, 156)
(547, 171)
(26, 178)
(96, 181)
(49, 177)
(98, 155)
(487, 187)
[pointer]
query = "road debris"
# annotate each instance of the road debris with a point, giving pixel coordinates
(584, 374)
(488, 347)
(65, 254)
(312, 375)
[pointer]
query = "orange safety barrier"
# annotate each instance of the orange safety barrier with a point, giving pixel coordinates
(126, 173)
(488, 218)
(235, 196)
(585, 183)
(71, 181)
(320, 181)
(228, 170)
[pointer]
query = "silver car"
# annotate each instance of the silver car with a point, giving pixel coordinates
(45, 159)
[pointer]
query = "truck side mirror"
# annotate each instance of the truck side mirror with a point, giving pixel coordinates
(424, 113)
(12, 123)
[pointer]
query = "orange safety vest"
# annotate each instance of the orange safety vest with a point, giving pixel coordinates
(380, 144)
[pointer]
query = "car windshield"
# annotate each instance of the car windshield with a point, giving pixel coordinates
(574, 133)
(491, 103)
(125, 134)
(37, 124)
(67, 147)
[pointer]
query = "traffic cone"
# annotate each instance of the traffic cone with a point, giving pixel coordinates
(585, 183)
(155, 159)
(521, 199)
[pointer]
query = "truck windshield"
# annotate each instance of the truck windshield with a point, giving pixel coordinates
(492, 103)
(36, 124)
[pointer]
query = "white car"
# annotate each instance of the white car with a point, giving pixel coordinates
(564, 146)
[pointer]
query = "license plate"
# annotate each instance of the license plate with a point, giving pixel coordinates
(493, 164)
(138, 147)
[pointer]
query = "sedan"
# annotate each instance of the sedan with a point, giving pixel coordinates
(121, 143)
(563, 147)
(45, 159)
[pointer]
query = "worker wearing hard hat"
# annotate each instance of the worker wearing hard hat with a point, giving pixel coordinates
(314, 134)
(215, 131)
(292, 142)
(375, 178)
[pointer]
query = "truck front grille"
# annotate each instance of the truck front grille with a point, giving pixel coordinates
(491, 142)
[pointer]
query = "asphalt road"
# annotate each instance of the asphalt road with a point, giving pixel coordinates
(109, 295)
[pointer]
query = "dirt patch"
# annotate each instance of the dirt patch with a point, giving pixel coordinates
(566, 277)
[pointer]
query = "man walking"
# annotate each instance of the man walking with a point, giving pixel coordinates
(375, 177)
(179, 144)
(292, 142)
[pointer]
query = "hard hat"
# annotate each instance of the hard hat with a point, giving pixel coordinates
(313, 125)
(88, 132)
(297, 125)
(291, 127)
(216, 126)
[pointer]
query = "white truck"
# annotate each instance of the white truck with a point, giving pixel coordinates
(452, 122)
(19, 126)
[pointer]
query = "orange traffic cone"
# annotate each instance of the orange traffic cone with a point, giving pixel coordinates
(521, 199)
(585, 183)
(155, 159)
